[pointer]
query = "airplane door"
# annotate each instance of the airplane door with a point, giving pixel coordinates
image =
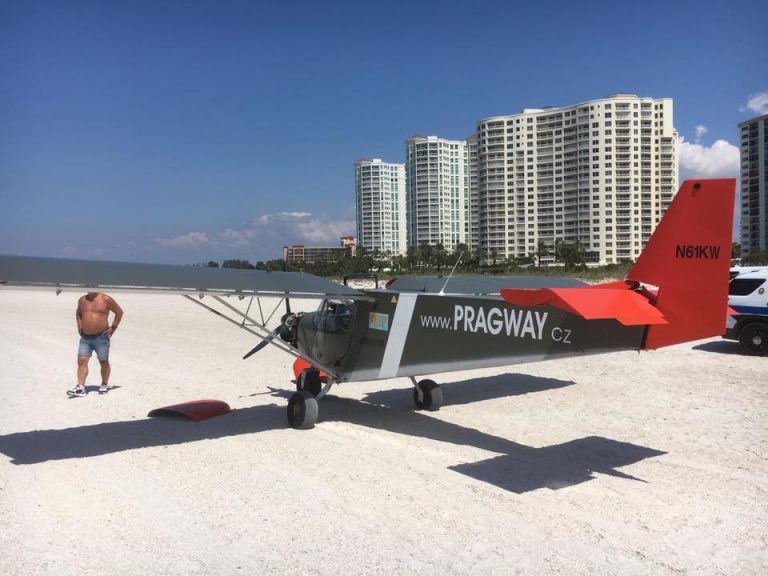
(333, 325)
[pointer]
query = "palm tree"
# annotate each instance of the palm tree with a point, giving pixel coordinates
(541, 251)
(459, 250)
(412, 256)
(571, 255)
(427, 254)
(494, 255)
(440, 256)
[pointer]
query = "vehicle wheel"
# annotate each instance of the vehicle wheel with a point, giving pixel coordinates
(309, 380)
(302, 410)
(431, 393)
(753, 339)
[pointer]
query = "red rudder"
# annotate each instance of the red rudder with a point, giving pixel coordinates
(688, 258)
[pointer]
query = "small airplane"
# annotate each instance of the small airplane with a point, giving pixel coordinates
(677, 291)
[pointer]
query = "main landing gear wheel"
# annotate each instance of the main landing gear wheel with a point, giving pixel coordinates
(427, 395)
(753, 339)
(309, 381)
(302, 410)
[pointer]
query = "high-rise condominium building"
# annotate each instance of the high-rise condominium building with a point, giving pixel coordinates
(380, 206)
(754, 177)
(472, 212)
(437, 178)
(601, 173)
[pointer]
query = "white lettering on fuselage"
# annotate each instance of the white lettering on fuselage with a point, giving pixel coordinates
(561, 335)
(517, 323)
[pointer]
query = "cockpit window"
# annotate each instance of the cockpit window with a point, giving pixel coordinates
(335, 316)
(744, 286)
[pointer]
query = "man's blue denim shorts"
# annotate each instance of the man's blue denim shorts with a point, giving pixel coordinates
(98, 343)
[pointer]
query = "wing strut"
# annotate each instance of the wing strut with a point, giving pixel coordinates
(260, 331)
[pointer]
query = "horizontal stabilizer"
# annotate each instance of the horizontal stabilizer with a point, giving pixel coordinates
(592, 302)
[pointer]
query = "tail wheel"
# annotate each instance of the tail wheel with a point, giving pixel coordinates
(309, 381)
(427, 395)
(753, 339)
(302, 410)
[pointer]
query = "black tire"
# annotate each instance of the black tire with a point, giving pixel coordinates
(302, 410)
(309, 381)
(753, 339)
(432, 395)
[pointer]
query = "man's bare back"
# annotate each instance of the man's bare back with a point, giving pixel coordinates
(93, 313)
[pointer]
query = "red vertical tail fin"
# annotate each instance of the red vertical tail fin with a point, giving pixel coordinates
(688, 258)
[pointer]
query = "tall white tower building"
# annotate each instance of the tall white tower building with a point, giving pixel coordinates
(601, 173)
(437, 177)
(754, 184)
(380, 206)
(472, 202)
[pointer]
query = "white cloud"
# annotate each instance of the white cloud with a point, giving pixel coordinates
(237, 238)
(325, 232)
(287, 228)
(263, 237)
(719, 160)
(191, 240)
(757, 103)
(700, 131)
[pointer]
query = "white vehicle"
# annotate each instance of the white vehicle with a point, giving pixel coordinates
(748, 295)
(736, 270)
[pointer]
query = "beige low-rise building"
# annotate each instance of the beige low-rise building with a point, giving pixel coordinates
(301, 254)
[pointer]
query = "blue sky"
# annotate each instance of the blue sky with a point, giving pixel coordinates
(183, 131)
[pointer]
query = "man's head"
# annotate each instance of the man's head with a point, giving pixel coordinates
(91, 295)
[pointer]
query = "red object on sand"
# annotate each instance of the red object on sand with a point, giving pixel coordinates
(195, 410)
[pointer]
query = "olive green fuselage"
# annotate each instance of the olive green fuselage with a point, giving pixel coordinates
(410, 334)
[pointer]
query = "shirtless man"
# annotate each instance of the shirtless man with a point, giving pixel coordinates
(95, 332)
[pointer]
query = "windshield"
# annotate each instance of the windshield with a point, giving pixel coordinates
(335, 316)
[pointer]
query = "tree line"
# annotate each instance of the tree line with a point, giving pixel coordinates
(754, 258)
(428, 259)
(437, 260)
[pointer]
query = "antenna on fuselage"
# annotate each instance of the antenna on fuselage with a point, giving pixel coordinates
(287, 300)
(442, 290)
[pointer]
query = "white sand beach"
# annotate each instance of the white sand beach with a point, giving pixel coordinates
(627, 463)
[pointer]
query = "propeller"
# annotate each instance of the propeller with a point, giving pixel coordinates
(279, 331)
(282, 330)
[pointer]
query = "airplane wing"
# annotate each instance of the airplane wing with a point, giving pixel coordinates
(477, 285)
(61, 273)
(617, 300)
